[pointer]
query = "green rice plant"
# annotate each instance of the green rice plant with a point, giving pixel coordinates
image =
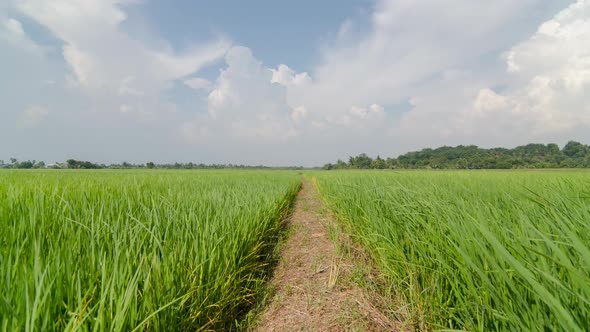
(135, 250)
(475, 250)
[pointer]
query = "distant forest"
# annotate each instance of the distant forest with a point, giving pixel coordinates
(573, 155)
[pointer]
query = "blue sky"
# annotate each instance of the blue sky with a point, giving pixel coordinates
(287, 83)
(278, 31)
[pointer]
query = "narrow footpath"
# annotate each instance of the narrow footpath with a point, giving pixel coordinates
(315, 286)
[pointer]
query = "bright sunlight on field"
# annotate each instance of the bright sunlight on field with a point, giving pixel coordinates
(143, 250)
(135, 250)
(505, 251)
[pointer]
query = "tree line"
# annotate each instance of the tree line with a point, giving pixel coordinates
(80, 164)
(572, 155)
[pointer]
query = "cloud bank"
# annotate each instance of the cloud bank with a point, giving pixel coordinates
(420, 74)
(116, 70)
(544, 95)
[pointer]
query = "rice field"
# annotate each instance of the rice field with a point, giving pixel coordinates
(471, 250)
(135, 250)
(153, 250)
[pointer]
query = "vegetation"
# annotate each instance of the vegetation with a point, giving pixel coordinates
(504, 251)
(185, 250)
(78, 164)
(141, 251)
(27, 164)
(573, 155)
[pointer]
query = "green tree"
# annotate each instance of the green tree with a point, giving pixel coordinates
(461, 163)
(72, 163)
(378, 163)
(575, 149)
(340, 164)
(24, 164)
(362, 161)
(39, 164)
(150, 165)
(391, 163)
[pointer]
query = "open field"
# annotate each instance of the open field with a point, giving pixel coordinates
(506, 251)
(154, 250)
(135, 250)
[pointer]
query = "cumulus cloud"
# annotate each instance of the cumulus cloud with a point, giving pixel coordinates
(545, 95)
(409, 44)
(414, 53)
(537, 95)
(106, 62)
(249, 100)
(244, 103)
(357, 118)
(422, 73)
(288, 77)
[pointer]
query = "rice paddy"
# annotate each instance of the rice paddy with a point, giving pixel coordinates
(154, 250)
(483, 251)
(135, 250)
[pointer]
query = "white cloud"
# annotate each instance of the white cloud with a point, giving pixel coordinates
(11, 30)
(423, 72)
(14, 27)
(33, 115)
(251, 101)
(358, 119)
(551, 80)
(141, 113)
(541, 96)
(400, 59)
(198, 83)
(545, 95)
(244, 103)
(108, 64)
(288, 77)
(299, 114)
(410, 42)
(363, 113)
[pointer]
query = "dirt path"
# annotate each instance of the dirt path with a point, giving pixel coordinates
(316, 285)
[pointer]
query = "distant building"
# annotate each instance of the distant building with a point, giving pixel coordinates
(56, 165)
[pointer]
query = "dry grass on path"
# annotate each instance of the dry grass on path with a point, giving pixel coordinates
(315, 286)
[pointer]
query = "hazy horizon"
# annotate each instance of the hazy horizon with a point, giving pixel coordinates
(196, 162)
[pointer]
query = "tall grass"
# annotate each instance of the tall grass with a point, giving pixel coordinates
(135, 250)
(505, 251)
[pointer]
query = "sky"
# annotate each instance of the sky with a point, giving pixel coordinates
(297, 83)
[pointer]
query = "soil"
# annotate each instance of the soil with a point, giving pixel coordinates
(316, 285)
